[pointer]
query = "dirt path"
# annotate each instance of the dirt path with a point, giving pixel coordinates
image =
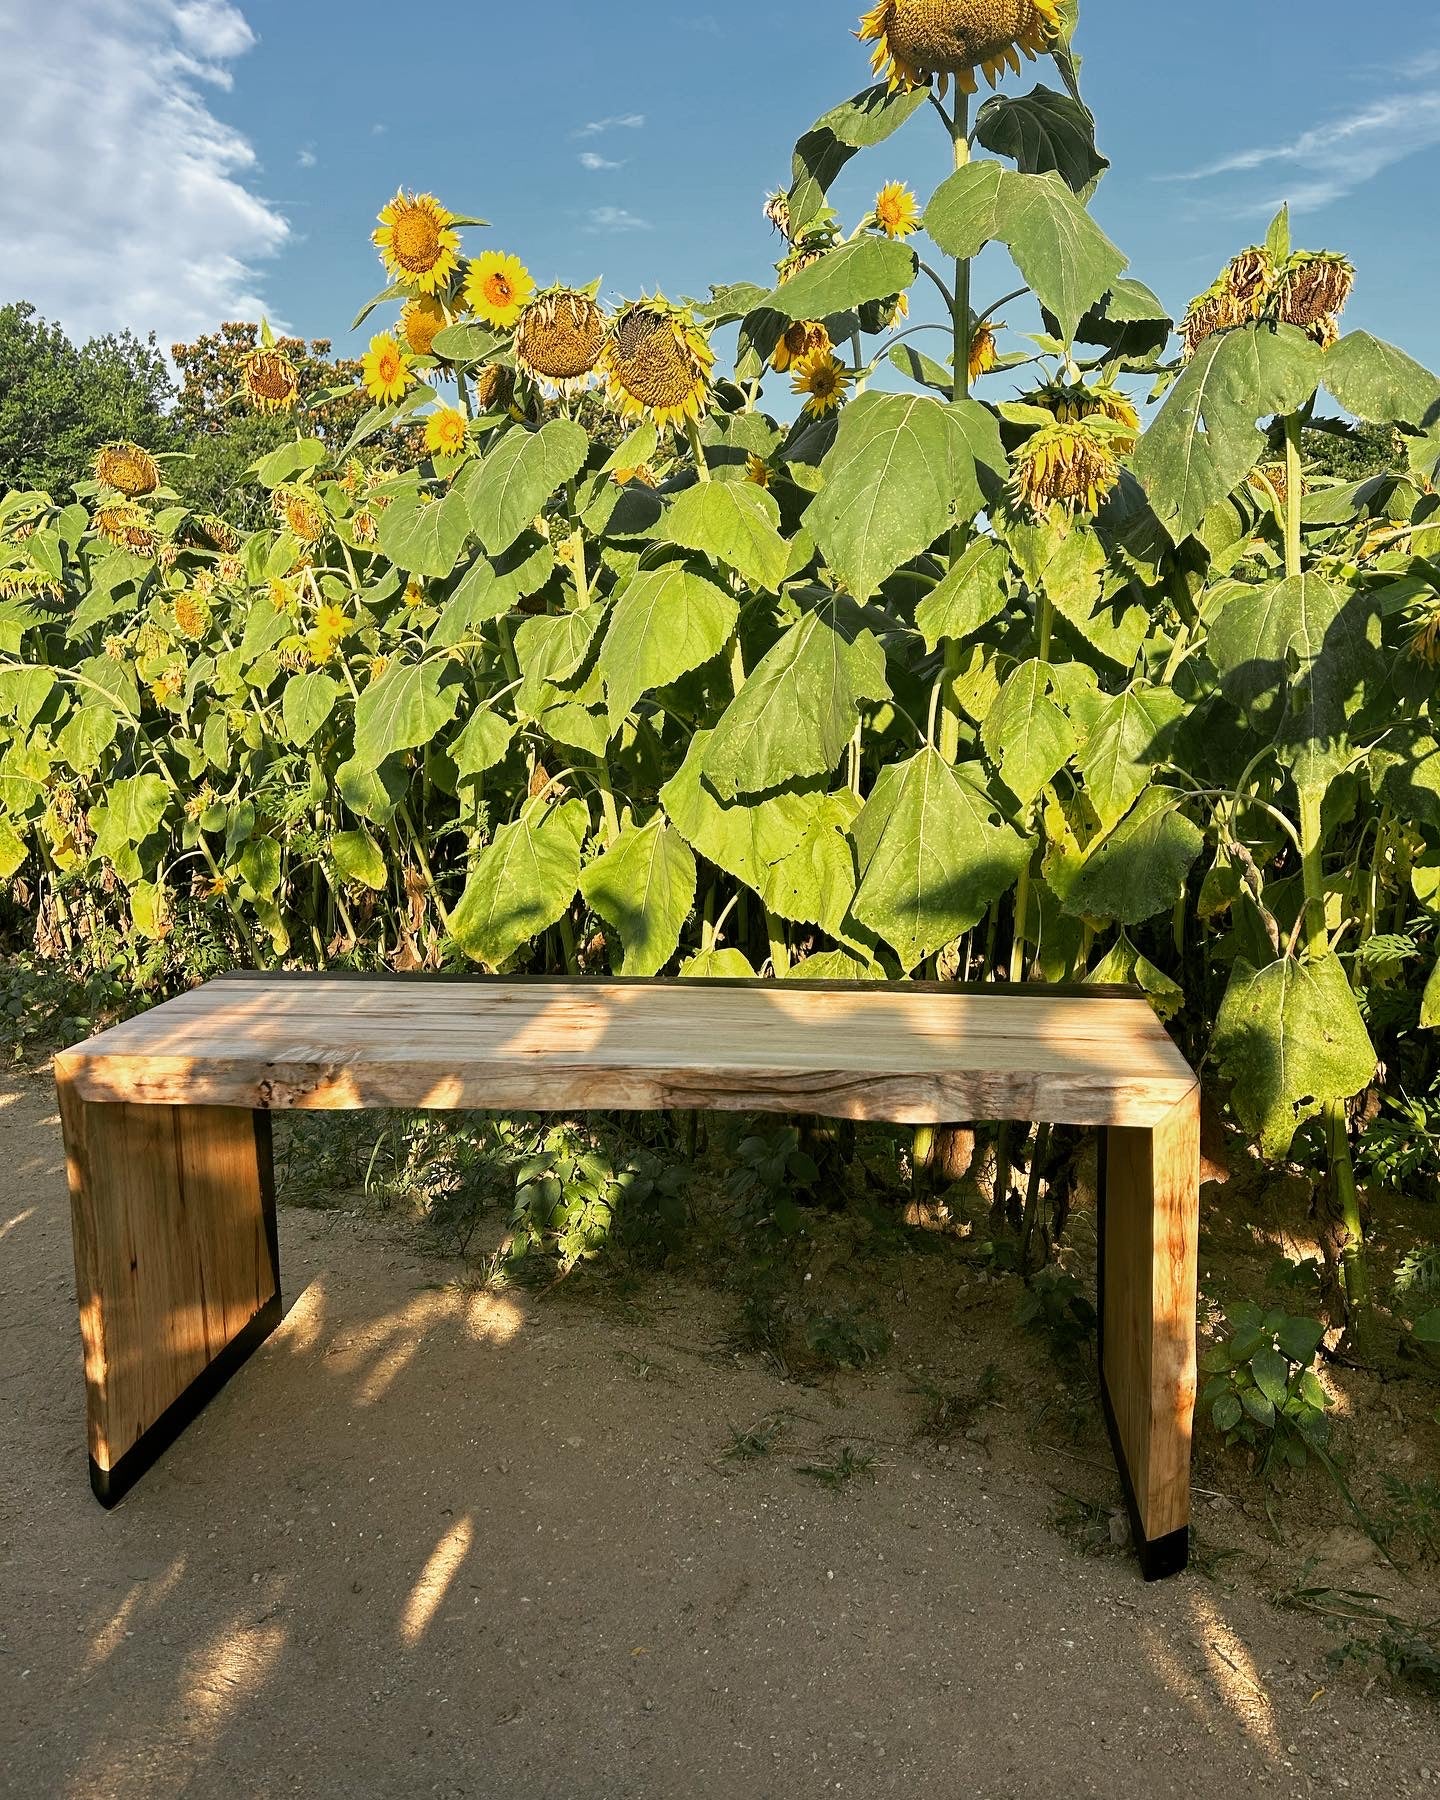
(432, 1542)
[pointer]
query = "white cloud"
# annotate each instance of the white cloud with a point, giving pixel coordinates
(615, 218)
(1332, 160)
(589, 160)
(307, 158)
(621, 122)
(126, 202)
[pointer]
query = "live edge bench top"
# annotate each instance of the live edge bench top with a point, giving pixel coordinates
(911, 1054)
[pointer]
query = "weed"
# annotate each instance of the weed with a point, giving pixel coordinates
(838, 1470)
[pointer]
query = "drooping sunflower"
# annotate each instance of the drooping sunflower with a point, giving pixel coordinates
(1071, 466)
(918, 39)
(421, 322)
(777, 211)
(1238, 296)
(498, 288)
(494, 387)
(560, 337)
(984, 352)
(192, 616)
(445, 431)
(1272, 479)
(128, 469)
(268, 380)
(385, 370)
(28, 581)
(127, 526)
(301, 512)
(1313, 287)
(1070, 401)
(804, 338)
(212, 532)
(416, 240)
(656, 363)
(826, 381)
(897, 211)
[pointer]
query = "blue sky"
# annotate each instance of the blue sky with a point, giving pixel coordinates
(213, 156)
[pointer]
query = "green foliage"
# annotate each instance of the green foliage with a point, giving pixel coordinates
(1263, 1391)
(1057, 1310)
(571, 1198)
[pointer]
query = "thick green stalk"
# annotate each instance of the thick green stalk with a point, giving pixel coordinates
(1044, 632)
(960, 332)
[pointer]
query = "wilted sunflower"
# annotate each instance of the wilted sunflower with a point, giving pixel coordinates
(385, 370)
(416, 240)
(1424, 622)
(1070, 401)
(127, 526)
(213, 533)
(445, 431)
(1312, 288)
(498, 288)
(777, 211)
(1238, 296)
(824, 379)
(421, 322)
(804, 338)
(984, 354)
(917, 39)
(269, 381)
(494, 387)
(1070, 465)
(28, 581)
(897, 211)
(192, 616)
(363, 529)
(127, 468)
(560, 337)
(656, 363)
(301, 512)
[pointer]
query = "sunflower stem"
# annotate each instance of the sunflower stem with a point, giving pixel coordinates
(959, 123)
(1294, 482)
(697, 449)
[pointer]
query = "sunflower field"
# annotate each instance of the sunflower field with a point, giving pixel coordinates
(868, 651)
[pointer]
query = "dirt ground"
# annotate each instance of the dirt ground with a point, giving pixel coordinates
(435, 1540)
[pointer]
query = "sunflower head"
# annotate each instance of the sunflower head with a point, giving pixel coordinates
(757, 470)
(917, 39)
(1250, 279)
(211, 532)
(824, 380)
(28, 581)
(560, 337)
(498, 288)
(984, 352)
(1072, 466)
(656, 363)
(128, 469)
(1212, 311)
(1273, 479)
(127, 526)
(363, 529)
(300, 511)
(897, 211)
(777, 211)
(416, 239)
(1312, 288)
(421, 322)
(446, 431)
(385, 370)
(494, 388)
(819, 236)
(192, 616)
(268, 380)
(1070, 401)
(797, 341)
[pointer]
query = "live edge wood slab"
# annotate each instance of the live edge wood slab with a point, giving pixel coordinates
(166, 1122)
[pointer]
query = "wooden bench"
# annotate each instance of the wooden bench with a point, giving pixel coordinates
(167, 1133)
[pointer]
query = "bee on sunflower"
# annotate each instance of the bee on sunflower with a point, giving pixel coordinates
(824, 379)
(916, 40)
(559, 338)
(128, 469)
(498, 288)
(804, 338)
(417, 241)
(657, 364)
(1071, 466)
(385, 370)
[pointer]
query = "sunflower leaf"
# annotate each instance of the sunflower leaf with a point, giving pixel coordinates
(643, 887)
(1044, 132)
(425, 536)
(857, 124)
(403, 710)
(870, 268)
(738, 524)
(667, 622)
(507, 488)
(1380, 384)
(1136, 871)
(522, 882)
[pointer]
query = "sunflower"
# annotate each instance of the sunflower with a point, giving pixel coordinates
(1272, 479)
(1071, 465)
(824, 378)
(777, 211)
(494, 387)
(984, 354)
(192, 616)
(301, 513)
(445, 431)
(560, 337)
(757, 470)
(1238, 296)
(642, 474)
(127, 468)
(656, 363)
(269, 381)
(1072, 401)
(127, 526)
(363, 529)
(1312, 288)
(897, 211)
(1424, 622)
(213, 533)
(917, 39)
(804, 338)
(385, 370)
(421, 322)
(415, 238)
(498, 288)
(28, 581)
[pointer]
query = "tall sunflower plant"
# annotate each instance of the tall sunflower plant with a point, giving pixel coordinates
(902, 646)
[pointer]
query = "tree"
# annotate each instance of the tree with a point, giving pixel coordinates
(60, 402)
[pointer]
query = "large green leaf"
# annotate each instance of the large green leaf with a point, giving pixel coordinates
(360, 859)
(667, 622)
(1291, 1039)
(900, 473)
(425, 536)
(554, 648)
(1381, 384)
(509, 486)
(735, 522)
(12, 849)
(490, 590)
(855, 125)
(1136, 871)
(1041, 132)
(798, 710)
(404, 709)
(1126, 743)
(1204, 442)
(1059, 249)
(308, 701)
(482, 744)
(643, 887)
(791, 848)
(132, 809)
(870, 268)
(934, 853)
(1026, 734)
(972, 594)
(522, 882)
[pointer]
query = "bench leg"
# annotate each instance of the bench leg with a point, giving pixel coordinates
(176, 1267)
(1149, 1227)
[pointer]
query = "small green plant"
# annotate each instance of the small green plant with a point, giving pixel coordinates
(755, 1441)
(770, 1170)
(1087, 1526)
(1417, 1274)
(570, 1196)
(1413, 1515)
(843, 1467)
(846, 1338)
(950, 1413)
(1055, 1306)
(1401, 1148)
(1263, 1390)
